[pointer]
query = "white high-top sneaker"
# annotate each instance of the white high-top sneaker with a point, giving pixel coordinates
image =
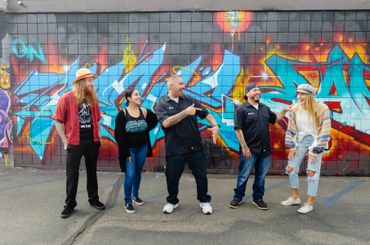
(168, 208)
(206, 208)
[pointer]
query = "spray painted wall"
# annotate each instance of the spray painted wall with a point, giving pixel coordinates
(5, 105)
(5, 123)
(217, 53)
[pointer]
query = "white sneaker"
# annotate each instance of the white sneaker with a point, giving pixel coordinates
(168, 208)
(306, 208)
(291, 201)
(206, 207)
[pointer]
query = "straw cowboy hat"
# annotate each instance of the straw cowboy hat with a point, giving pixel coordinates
(83, 73)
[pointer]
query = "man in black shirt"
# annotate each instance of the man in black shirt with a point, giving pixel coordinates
(251, 123)
(177, 114)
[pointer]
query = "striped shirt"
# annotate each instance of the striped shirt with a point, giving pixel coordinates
(322, 135)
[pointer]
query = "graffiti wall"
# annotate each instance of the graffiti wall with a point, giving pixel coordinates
(5, 123)
(217, 54)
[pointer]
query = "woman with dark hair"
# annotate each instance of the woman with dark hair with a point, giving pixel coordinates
(308, 133)
(132, 135)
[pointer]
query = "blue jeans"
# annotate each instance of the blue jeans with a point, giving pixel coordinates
(133, 172)
(295, 163)
(261, 164)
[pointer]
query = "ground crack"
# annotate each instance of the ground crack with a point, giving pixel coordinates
(112, 198)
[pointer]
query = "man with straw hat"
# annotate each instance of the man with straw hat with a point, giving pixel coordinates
(79, 111)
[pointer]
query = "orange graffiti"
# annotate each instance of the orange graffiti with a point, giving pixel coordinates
(4, 77)
(233, 22)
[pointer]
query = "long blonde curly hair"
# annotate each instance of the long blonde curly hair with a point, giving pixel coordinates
(82, 94)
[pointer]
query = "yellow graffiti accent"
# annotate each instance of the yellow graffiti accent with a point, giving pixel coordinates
(350, 49)
(38, 142)
(87, 65)
(240, 84)
(4, 78)
(176, 68)
(129, 58)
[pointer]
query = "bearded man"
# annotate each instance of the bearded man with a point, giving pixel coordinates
(251, 124)
(77, 119)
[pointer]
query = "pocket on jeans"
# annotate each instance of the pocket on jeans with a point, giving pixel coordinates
(306, 140)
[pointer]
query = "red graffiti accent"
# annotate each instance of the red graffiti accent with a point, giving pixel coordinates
(233, 22)
(217, 55)
(367, 75)
(102, 58)
(351, 132)
(333, 90)
(21, 70)
(55, 62)
(334, 106)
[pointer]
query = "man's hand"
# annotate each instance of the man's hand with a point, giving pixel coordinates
(214, 131)
(173, 120)
(286, 109)
(246, 153)
(282, 113)
(291, 153)
(65, 145)
(191, 110)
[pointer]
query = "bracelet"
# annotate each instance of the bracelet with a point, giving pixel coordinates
(218, 125)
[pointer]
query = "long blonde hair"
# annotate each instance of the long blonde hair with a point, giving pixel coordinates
(83, 95)
(311, 106)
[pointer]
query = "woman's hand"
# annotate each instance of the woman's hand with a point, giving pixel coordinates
(291, 153)
(311, 158)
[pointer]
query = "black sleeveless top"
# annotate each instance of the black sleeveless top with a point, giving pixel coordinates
(136, 128)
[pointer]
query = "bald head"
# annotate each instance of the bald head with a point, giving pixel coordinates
(173, 79)
(175, 86)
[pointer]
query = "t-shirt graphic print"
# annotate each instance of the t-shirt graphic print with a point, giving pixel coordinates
(85, 119)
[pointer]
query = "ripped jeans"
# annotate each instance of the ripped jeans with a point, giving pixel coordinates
(295, 163)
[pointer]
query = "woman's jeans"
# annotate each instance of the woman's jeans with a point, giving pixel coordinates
(295, 163)
(133, 172)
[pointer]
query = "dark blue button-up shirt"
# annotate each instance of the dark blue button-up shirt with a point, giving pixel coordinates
(183, 137)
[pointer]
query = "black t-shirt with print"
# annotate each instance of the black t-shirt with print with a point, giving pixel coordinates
(85, 119)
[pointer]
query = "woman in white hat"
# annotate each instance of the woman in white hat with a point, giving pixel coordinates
(308, 133)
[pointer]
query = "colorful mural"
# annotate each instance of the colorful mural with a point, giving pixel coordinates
(217, 76)
(5, 123)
